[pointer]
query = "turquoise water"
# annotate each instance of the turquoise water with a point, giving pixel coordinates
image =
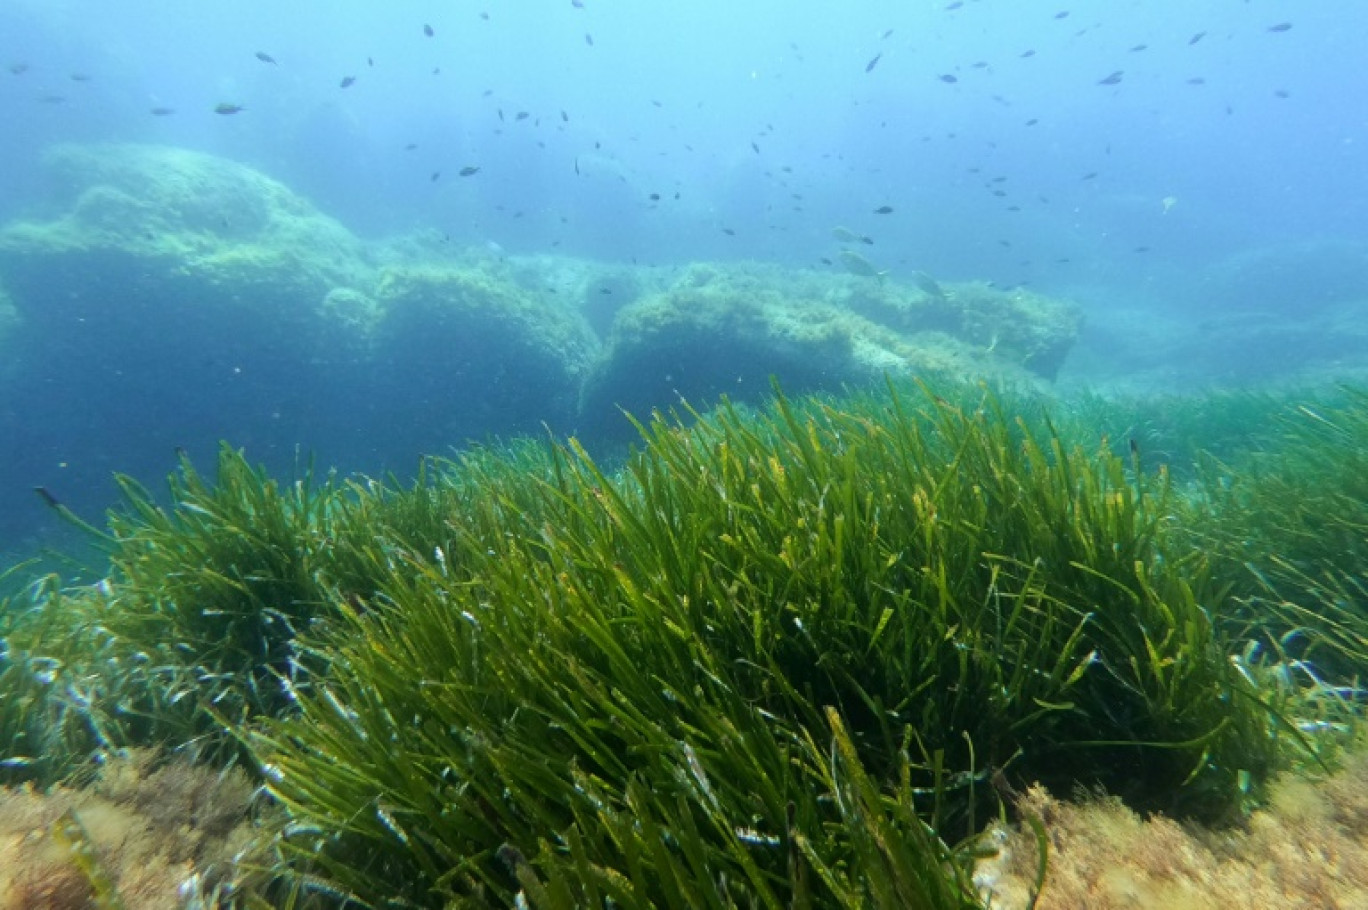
(630, 206)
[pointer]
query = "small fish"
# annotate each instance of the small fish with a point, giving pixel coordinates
(729, 232)
(1195, 38)
(1024, 54)
(755, 148)
(469, 170)
(884, 210)
(484, 16)
(1196, 80)
(227, 108)
(521, 115)
(80, 77)
(435, 176)
(1113, 79)
(162, 111)
(886, 35)
(588, 39)
(265, 58)
(1280, 27)
(410, 147)
(954, 6)
(565, 118)
(874, 61)
(1062, 14)
(18, 69)
(1138, 48)
(577, 4)
(928, 285)
(856, 264)
(427, 30)
(949, 79)
(654, 197)
(1088, 176)
(347, 82)
(370, 61)
(1033, 121)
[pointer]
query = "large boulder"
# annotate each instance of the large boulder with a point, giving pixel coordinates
(476, 350)
(717, 329)
(171, 298)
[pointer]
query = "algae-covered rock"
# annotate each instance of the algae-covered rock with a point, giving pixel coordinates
(171, 298)
(186, 227)
(726, 329)
(470, 344)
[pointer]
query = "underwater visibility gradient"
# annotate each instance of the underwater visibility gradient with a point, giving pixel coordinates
(360, 233)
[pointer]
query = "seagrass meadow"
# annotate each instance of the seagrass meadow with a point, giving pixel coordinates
(805, 655)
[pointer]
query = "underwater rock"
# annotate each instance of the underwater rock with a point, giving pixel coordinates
(477, 351)
(185, 225)
(725, 329)
(175, 298)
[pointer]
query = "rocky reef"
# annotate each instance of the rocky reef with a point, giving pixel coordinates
(188, 298)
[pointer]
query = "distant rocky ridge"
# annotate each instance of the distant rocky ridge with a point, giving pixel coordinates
(167, 263)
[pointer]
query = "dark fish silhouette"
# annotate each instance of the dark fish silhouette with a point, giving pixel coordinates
(1195, 38)
(265, 57)
(1280, 27)
(1113, 79)
(468, 170)
(347, 82)
(162, 111)
(227, 108)
(869, 67)
(949, 79)
(427, 30)
(884, 210)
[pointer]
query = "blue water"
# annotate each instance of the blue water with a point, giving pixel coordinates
(1208, 208)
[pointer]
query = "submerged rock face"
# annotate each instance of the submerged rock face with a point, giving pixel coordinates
(168, 297)
(716, 329)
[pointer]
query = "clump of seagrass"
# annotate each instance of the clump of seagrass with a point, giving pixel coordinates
(668, 681)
